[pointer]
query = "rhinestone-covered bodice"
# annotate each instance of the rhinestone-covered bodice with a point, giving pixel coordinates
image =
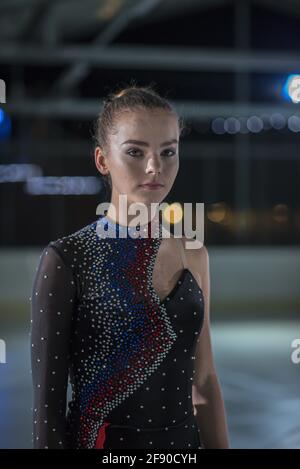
(127, 351)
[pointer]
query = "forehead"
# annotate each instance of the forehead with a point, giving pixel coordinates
(155, 123)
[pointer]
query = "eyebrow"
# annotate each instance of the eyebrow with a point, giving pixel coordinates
(145, 144)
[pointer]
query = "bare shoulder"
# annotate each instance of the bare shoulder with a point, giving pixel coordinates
(196, 254)
(198, 264)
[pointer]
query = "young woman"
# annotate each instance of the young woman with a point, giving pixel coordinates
(126, 318)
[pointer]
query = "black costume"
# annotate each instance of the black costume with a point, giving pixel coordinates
(97, 318)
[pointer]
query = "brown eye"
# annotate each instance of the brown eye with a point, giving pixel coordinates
(134, 150)
(171, 151)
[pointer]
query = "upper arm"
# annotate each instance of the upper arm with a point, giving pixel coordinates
(52, 303)
(198, 260)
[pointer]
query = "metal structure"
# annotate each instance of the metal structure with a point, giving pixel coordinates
(43, 32)
(80, 37)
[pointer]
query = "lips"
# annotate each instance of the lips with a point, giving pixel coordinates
(152, 185)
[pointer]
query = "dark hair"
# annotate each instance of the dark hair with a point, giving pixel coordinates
(127, 98)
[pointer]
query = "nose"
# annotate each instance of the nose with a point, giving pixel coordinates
(154, 165)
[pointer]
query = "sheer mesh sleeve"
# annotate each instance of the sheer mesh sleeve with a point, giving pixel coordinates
(52, 303)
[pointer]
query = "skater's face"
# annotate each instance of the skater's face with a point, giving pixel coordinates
(143, 148)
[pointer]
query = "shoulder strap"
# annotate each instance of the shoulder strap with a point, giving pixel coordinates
(182, 253)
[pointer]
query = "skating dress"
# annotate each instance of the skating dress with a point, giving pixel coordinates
(98, 323)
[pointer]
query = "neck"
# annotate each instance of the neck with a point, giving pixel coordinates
(118, 214)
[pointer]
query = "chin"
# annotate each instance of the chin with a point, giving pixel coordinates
(148, 199)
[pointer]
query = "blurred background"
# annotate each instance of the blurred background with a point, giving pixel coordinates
(232, 70)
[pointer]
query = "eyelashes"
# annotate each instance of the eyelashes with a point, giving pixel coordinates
(129, 152)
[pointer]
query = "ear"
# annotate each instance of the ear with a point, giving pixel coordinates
(101, 161)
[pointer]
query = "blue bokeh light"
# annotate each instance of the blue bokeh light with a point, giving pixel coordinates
(5, 125)
(291, 88)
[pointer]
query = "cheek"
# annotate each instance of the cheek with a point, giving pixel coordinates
(172, 171)
(128, 172)
(132, 167)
